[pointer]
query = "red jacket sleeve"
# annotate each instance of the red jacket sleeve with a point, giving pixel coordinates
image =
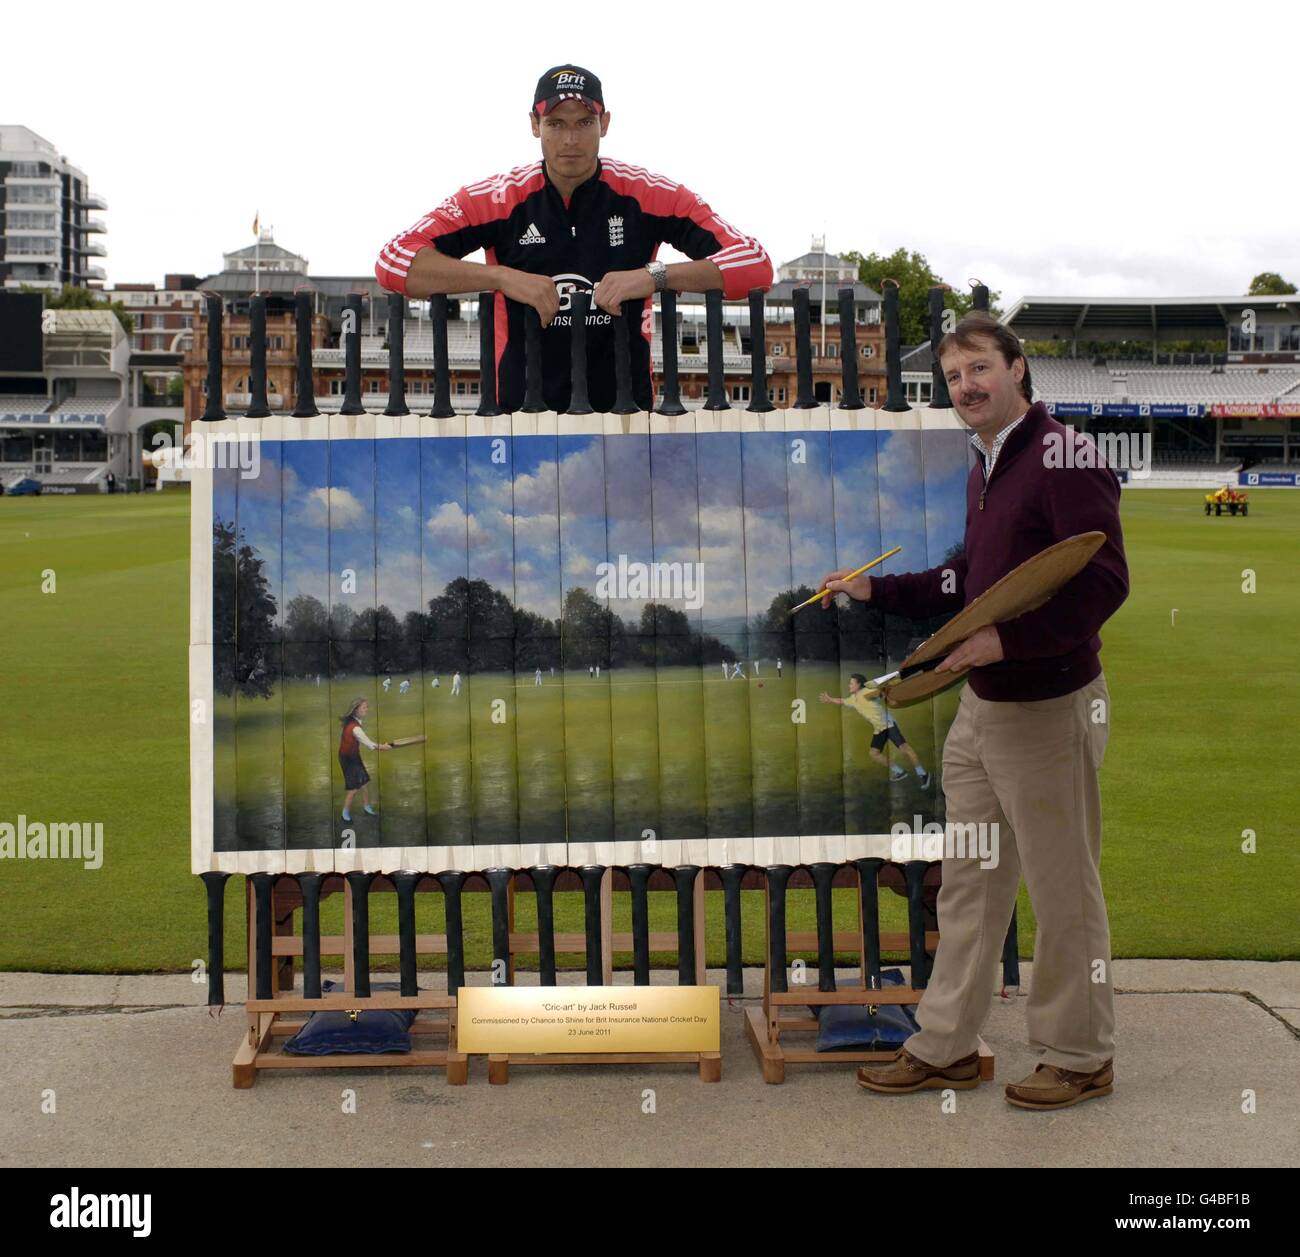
(679, 217)
(466, 221)
(742, 260)
(449, 220)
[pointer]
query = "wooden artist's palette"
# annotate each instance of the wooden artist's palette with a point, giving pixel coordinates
(1024, 588)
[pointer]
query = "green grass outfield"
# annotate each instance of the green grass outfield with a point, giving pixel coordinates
(94, 729)
(734, 762)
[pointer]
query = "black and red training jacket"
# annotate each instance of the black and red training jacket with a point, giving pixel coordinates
(615, 221)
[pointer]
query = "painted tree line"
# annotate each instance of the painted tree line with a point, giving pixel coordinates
(472, 626)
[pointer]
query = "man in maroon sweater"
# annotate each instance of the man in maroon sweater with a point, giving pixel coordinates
(1026, 744)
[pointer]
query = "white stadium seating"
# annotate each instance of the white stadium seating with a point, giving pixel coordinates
(1191, 384)
(84, 403)
(1076, 380)
(23, 403)
(1070, 379)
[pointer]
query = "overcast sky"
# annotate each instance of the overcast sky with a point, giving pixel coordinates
(1098, 149)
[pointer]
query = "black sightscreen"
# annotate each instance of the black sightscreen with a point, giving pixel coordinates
(20, 331)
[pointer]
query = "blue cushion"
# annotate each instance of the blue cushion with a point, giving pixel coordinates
(848, 1027)
(334, 1033)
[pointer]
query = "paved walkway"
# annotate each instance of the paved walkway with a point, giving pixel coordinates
(141, 1076)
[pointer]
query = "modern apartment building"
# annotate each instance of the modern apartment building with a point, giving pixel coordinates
(48, 236)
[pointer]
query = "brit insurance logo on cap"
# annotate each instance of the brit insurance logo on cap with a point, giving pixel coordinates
(568, 82)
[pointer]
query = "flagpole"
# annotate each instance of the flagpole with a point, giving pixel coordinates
(823, 310)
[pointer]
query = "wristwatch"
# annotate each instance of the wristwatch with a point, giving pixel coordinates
(659, 273)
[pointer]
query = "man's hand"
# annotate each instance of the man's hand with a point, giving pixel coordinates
(859, 587)
(537, 291)
(981, 647)
(826, 698)
(620, 286)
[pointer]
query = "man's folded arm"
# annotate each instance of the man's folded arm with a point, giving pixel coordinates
(687, 223)
(426, 258)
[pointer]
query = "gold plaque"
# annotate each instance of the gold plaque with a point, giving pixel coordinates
(590, 1019)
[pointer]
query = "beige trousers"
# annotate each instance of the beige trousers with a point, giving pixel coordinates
(1031, 768)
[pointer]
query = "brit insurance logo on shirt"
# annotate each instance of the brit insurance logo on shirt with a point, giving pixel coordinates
(565, 286)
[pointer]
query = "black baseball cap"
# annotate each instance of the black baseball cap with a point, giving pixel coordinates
(568, 82)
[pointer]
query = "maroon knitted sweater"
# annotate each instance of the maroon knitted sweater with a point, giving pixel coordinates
(1029, 503)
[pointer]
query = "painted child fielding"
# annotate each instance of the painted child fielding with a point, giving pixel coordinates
(351, 740)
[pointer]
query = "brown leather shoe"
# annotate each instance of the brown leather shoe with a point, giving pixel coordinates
(1051, 1087)
(909, 1073)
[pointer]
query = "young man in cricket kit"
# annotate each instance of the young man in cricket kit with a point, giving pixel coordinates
(1026, 744)
(865, 700)
(572, 222)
